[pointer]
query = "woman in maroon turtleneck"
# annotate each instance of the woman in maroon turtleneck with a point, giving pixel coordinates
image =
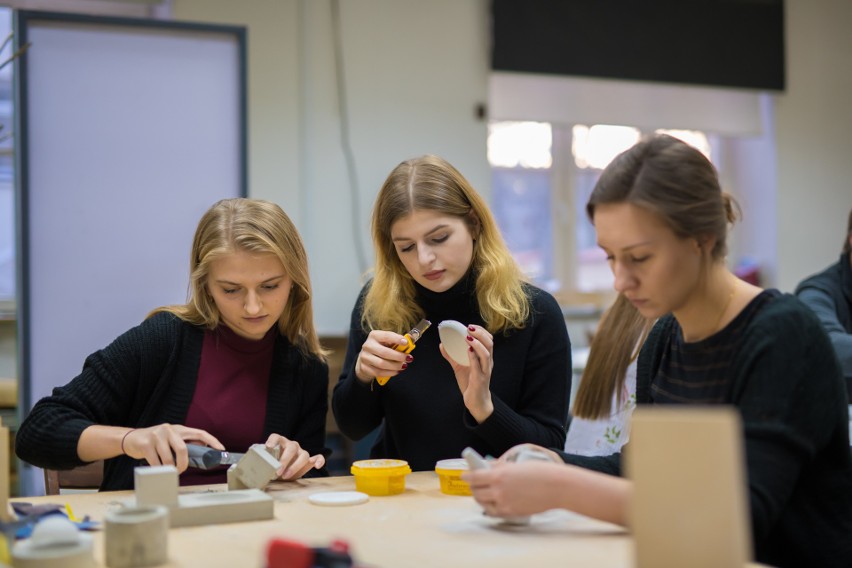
(238, 364)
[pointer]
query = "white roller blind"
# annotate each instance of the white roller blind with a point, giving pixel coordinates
(579, 100)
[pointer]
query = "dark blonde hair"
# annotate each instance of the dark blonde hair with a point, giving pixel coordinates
(847, 248)
(616, 343)
(431, 183)
(256, 226)
(669, 177)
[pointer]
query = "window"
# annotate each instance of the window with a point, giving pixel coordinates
(520, 155)
(540, 191)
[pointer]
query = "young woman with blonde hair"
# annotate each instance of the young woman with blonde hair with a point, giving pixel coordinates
(238, 364)
(439, 256)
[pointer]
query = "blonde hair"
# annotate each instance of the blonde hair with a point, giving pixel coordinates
(255, 226)
(431, 183)
(617, 341)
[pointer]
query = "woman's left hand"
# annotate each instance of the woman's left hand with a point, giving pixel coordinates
(474, 380)
(295, 462)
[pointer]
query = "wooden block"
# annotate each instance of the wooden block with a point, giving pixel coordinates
(222, 507)
(5, 511)
(257, 468)
(689, 505)
(156, 485)
(8, 392)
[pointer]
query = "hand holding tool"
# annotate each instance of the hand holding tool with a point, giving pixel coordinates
(204, 457)
(411, 337)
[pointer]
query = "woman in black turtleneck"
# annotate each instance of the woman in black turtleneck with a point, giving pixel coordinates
(439, 255)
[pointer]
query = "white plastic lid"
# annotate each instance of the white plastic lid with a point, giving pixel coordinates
(456, 463)
(338, 498)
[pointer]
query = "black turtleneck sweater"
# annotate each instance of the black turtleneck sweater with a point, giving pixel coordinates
(424, 416)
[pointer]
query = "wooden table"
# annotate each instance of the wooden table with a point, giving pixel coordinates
(421, 527)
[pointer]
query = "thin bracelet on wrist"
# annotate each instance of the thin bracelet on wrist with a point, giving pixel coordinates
(123, 438)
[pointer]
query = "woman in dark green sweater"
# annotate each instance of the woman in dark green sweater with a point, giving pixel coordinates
(661, 217)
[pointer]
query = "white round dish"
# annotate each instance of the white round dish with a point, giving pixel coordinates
(338, 498)
(454, 338)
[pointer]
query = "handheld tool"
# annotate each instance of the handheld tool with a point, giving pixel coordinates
(412, 336)
(203, 457)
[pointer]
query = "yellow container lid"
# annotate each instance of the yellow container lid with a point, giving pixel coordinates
(380, 468)
(452, 466)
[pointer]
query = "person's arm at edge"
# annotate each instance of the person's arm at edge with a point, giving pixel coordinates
(823, 306)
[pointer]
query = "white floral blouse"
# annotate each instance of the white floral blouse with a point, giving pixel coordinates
(606, 436)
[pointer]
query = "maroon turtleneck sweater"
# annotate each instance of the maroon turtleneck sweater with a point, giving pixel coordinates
(230, 396)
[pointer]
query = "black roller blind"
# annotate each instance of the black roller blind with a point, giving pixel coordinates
(732, 43)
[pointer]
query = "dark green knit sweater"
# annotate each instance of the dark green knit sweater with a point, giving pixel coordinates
(787, 384)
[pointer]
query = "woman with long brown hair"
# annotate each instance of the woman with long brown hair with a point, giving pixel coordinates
(600, 423)
(661, 217)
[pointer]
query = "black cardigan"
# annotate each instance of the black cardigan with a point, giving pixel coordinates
(146, 377)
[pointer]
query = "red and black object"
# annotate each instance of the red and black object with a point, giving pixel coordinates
(283, 553)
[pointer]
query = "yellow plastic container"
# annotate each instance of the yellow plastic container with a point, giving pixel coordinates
(449, 472)
(380, 477)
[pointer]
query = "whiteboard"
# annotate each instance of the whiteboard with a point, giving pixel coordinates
(128, 130)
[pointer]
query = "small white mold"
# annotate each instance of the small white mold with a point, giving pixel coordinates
(454, 338)
(338, 498)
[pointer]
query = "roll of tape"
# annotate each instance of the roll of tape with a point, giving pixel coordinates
(55, 543)
(137, 536)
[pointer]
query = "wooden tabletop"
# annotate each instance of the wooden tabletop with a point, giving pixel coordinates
(420, 527)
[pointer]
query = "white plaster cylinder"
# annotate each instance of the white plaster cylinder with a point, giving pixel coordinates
(137, 536)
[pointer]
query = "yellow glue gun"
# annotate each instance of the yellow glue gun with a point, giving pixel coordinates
(411, 337)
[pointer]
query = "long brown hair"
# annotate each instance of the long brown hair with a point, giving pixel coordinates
(260, 227)
(616, 343)
(431, 183)
(675, 181)
(669, 177)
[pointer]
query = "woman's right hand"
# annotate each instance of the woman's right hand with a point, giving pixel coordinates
(378, 358)
(165, 444)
